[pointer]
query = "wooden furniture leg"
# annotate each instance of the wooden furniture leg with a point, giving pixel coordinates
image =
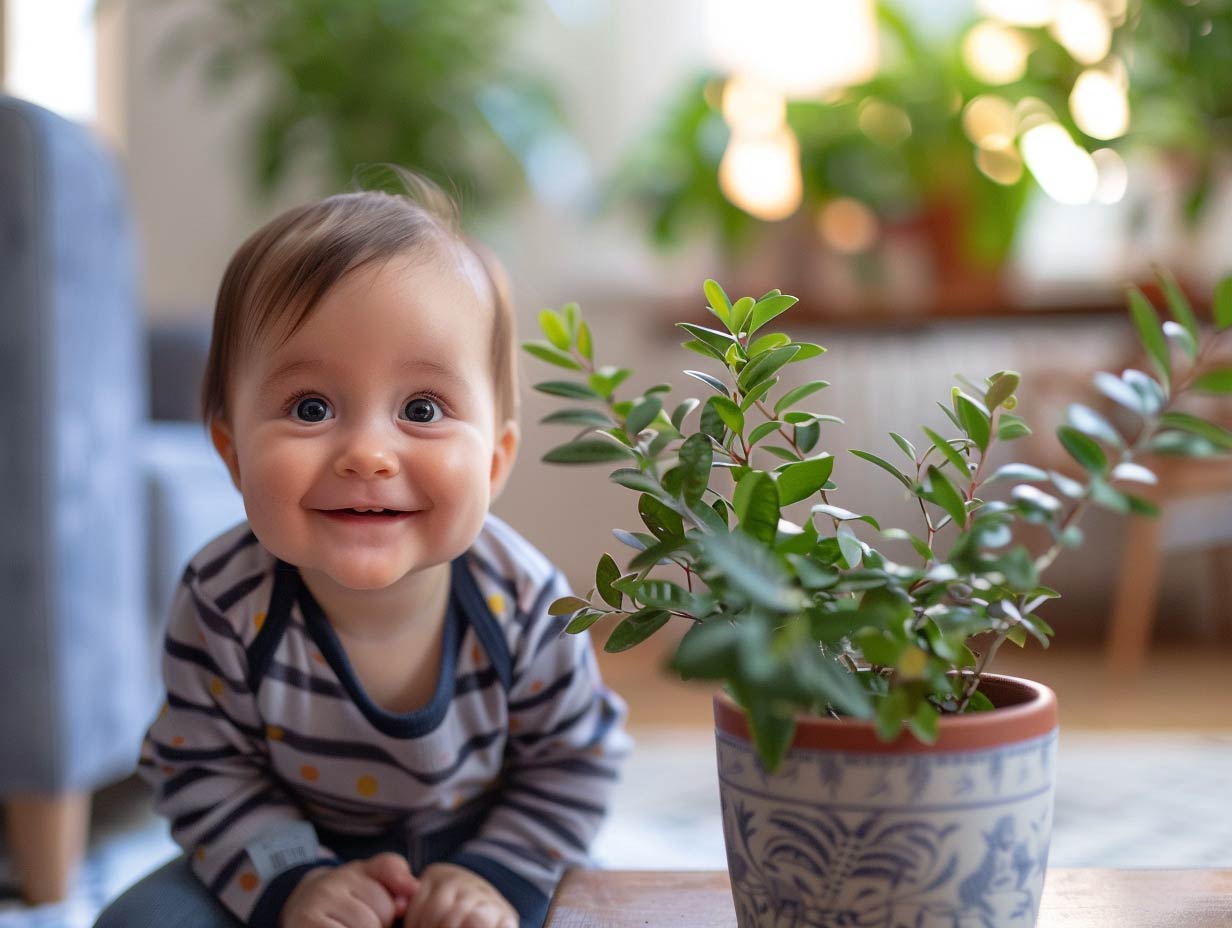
(47, 837)
(1133, 612)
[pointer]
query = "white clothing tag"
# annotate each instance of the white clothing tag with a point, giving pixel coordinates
(284, 847)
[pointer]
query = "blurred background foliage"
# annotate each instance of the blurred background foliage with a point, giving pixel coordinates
(947, 135)
(420, 83)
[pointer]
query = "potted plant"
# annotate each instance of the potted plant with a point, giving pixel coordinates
(872, 770)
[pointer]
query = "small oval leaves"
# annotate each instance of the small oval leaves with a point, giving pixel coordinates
(713, 382)
(793, 396)
(1001, 389)
(568, 389)
(1088, 421)
(1083, 449)
(1221, 305)
(643, 414)
(567, 605)
(635, 629)
(975, 420)
(1149, 331)
(718, 300)
(800, 481)
(769, 307)
(944, 494)
(588, 451)
(605, 574)
(696, 456)
(553, 327)
(1218, 380)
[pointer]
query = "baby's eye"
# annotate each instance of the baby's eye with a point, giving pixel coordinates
(312, 409)
(422, 409)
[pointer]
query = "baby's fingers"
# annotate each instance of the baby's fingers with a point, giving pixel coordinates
(393, 872)
(487, 915)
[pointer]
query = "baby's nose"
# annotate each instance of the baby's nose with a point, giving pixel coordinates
(366, 455)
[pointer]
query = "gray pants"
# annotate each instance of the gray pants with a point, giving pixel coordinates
(170, 897)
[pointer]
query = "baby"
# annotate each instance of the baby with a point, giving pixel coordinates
(371, 719)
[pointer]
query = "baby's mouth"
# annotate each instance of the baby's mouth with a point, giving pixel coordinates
(365, 515)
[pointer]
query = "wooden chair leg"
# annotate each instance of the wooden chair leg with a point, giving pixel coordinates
(1133, 612)
(47, 836)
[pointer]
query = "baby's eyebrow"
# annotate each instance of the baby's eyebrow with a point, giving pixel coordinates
(316, 365)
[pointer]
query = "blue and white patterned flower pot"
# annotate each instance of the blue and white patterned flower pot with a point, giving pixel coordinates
(854, 832)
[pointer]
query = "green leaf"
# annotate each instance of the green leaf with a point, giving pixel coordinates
(975, 420)
(572, 314)
(605, 573)
(582, 621)
(710, 422)
(643, 414)
(718, 301)
(1088, 421)
(767, 342)
(635, 629)
(764, 365)
(770, 728)
(662, 594)
(605, 380)
(843, 515)
(907, 447)
(718, 341)
(1183, 444)
(700, 347)
(757, 392)
(740, 313)
(807, 351)
(948, 451)
(680, 412)
(751, 569)
(639, 480)
(1178, 333)
(596, 418)
(921, 547)
(1221, 306)
(588, 451)
(786, 455)
(1149, 331)
(1178, 305)
(807, 436)
(1017, 472)
(886, 466)
(545, 352)
(1001, 389)
(1217, 435)
(768, 308)
(729, 412)
(696, 456)
(1083, 449)
(1120, 392)
(756, 502)
(713, 382)
(946, 496)
(657, 553)
(1218, 380)
(664, 522)
(1010, 427)
(708, 651)
(554, 328)
(766, 428)
(567, 605)
(800, 481)
(568, 389)
(585, 342)
(793, 396)
(849, 545)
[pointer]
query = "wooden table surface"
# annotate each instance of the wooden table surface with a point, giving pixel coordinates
(1072, 899)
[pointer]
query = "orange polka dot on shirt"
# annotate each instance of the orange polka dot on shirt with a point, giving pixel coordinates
(248, 882)
(258, 620)
(366, 786)
(496, 602)
(309, 773)
(274, 733)
(216, 686)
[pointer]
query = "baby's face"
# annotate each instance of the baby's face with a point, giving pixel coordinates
(382, 400)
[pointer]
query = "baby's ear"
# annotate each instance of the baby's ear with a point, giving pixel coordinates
(504, 451)
(224, 444)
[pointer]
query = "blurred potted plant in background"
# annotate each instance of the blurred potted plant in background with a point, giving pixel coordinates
(940, 142)
(872, 770)
(428, 86)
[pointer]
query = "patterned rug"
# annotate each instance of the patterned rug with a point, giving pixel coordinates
(1123, 800)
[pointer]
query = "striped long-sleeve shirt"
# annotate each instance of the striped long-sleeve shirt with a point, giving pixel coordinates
(269, 758)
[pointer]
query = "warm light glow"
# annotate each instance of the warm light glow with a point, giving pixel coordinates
(1100, 105)
(1117, 10)
(1020, 12)
(883, 122)
(1083, 28)
(752, 107)
(999, 164)
(847, 225)
(996, 53)
(1030, 112)
(1113, 176)
(761, 174)
(1064, 170)
(801, 47)
(989, 121)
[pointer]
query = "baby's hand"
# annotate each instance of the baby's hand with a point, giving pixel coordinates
(370, 893)
(454, 897)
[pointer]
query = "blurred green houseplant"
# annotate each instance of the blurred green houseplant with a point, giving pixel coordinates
(426, 85)
(903, 143)
(803, 615)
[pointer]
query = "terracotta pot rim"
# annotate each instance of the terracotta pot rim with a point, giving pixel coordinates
(1030, 712)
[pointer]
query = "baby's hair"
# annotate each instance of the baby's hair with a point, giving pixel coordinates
(280, 274)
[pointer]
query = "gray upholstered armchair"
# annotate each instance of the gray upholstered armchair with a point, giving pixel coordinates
(100, 506)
